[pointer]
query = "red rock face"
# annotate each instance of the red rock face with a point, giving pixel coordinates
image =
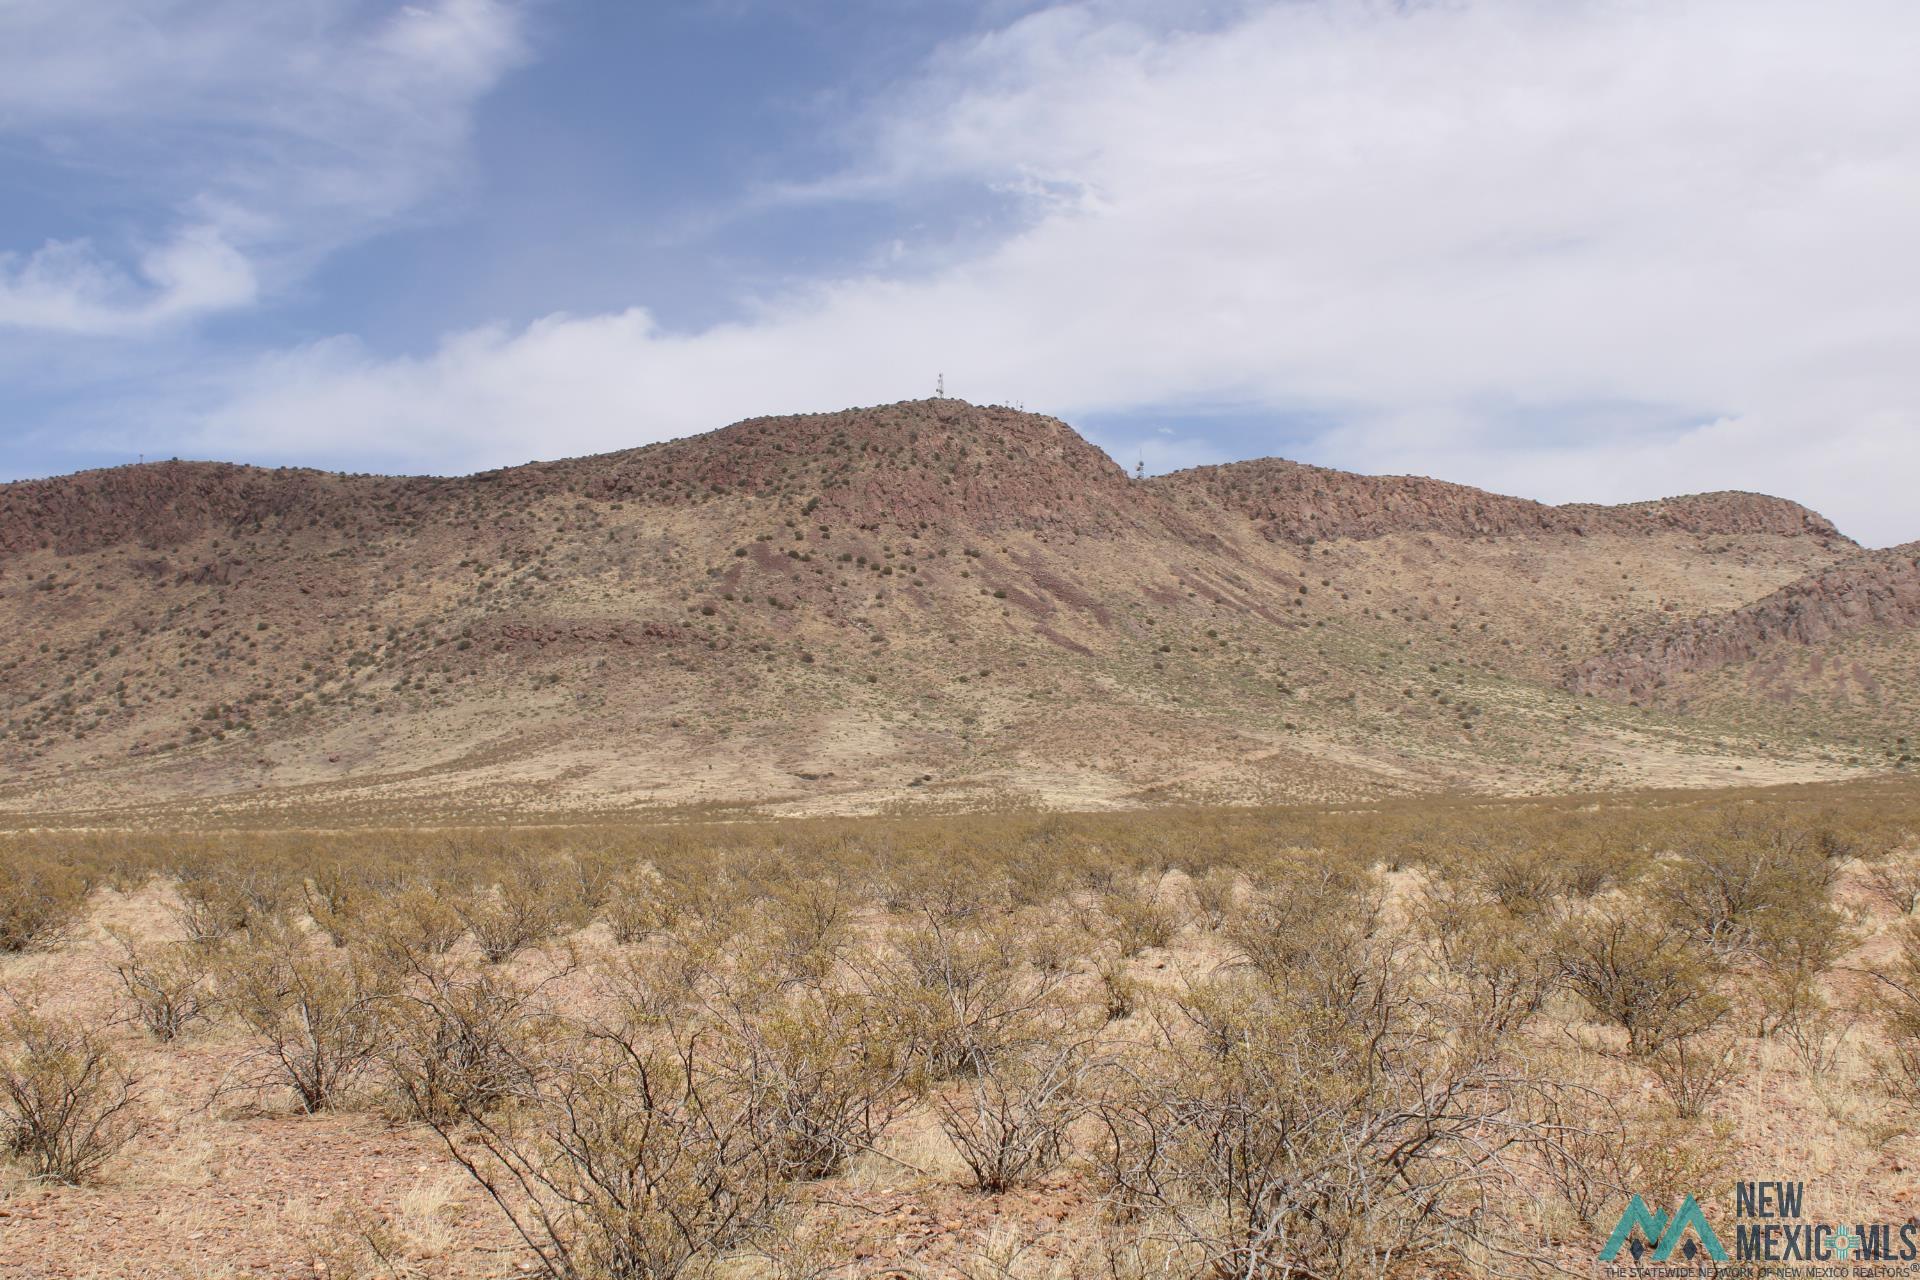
(1876, 589)
(1292, 502)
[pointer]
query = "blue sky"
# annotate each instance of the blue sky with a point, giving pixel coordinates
(1579, 250)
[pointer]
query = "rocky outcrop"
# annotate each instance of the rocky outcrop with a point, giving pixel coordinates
(1875, 589)
(909, 465)
(918, 464)
(1294, 502)
(912, 465)
(1726, 512)
(164, 504)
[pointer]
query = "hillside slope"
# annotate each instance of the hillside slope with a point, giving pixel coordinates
(929, 602)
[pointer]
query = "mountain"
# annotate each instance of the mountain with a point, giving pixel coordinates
(923, 603)
(1837, 648)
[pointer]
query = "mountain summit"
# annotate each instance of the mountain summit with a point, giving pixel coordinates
(922, 601)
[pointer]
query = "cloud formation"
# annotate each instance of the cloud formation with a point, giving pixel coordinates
(266, 135)
(68, 287)
(1594, 250)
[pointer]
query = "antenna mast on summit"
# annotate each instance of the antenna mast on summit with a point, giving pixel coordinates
(1140, 467)
(940, 387)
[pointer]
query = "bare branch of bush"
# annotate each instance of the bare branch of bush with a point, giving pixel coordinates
(65, 1098)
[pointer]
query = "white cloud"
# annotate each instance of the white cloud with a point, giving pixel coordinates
(263, 135)
(1609, 219)
(68, 287)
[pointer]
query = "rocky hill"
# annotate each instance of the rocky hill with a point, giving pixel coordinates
(929, 602)
(1301, 503)
(1875, 590)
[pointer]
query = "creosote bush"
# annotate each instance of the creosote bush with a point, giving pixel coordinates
(458, 1043)
(1287, 1127)
(522, 908)
(964, 992)
(1899, 989)
(1288, 1043)
(1654, 981)
(166, 986)
(65, 1098)
(822, 1074)
(1010, 1116)
(316, 1015)
(222, 896)
(40, 900)
(628, 1157)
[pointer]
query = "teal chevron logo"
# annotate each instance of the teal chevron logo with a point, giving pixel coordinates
(1664, 1233)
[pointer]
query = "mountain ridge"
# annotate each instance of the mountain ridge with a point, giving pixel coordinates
(867, 608)
(1299, 502)
(1879, 588)
(1290, 499)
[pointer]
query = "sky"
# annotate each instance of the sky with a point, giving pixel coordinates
(1578, 250)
